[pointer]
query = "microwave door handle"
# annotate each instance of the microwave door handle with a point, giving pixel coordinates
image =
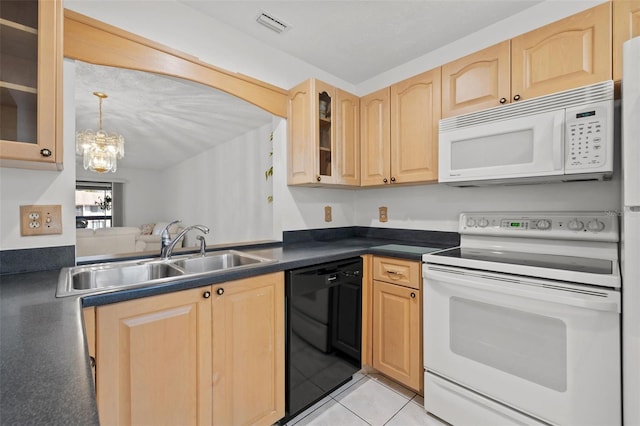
(494, 286)
(558, 135)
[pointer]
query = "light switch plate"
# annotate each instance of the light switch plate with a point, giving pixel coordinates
(327, 214)
(40, 220)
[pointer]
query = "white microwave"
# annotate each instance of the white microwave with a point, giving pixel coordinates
(561, 137)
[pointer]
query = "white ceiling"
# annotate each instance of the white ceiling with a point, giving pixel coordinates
(163, 120)
(356, 40)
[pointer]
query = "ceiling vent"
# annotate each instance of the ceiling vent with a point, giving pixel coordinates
(274, 24)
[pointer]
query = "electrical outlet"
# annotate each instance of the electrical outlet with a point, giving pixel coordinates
(382, 213)
(40, 220)
(327, 214)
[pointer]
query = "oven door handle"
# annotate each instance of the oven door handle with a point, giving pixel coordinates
(603, 301)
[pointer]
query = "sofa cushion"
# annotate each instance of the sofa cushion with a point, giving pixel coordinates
(146, 229)
(159, 226)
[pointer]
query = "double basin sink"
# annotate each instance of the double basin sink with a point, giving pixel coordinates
(122, 275)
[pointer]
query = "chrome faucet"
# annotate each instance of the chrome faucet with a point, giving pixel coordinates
(167, 244)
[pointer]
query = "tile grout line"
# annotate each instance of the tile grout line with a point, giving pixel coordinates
(398, 412)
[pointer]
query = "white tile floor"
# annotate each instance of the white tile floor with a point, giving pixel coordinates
(368, 399)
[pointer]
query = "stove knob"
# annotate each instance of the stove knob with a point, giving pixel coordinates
(576, 225)
(543, 224)
(595, 225)
(471, 222)
(483, 223)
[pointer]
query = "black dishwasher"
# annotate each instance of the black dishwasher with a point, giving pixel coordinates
(324, 329)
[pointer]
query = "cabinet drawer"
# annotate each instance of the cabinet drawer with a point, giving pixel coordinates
(397, 271)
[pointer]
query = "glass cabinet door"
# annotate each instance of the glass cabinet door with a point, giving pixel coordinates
(325, 133)
(30, 53)
(19, 71)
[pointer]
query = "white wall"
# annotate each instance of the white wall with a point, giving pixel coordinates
(225, 189)
(24, 187)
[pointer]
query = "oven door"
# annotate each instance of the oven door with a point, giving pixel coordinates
(520, 147)
(547, 349)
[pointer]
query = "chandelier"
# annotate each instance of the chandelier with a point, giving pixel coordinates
(100, 150)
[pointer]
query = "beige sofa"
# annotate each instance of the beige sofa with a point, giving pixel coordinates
(90, 242)
(122, 239)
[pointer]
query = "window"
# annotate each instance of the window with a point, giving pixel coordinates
(97, 204)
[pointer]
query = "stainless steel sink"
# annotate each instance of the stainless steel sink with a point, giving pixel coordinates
(215, 262)
(115, 276)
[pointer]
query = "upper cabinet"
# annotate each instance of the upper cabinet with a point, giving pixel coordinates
(400, 132)
(31, 84)
(477, 81)
(570, 53)
(375, 138)
(566, 54)
(324, 135)
(415, 111)
(626, 25)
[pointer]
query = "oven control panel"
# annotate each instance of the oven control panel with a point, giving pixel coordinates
(596, 226)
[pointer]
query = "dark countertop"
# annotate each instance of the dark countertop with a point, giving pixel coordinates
(45, 377)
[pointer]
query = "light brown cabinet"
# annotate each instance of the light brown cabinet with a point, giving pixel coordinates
(248, 351)
(626, 25)
(569, 53)
(324, 135)
(213, 354)
(563, 55)
(31, 84)
(153, 359)
(408, 153)
(396, 325)
(477, 81)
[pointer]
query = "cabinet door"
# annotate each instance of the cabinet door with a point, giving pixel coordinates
(566, 54)
(347, 123)
(415, 111)
(477, 81)
(626, 25)
(31, 84)
(154, 360)
(323, 105)
(397, 333)
(301, 143)
(375, 136)
(248, 351)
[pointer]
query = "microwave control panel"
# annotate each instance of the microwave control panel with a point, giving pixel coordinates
(588, 136)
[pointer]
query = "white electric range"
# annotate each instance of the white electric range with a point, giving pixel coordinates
(522, 321)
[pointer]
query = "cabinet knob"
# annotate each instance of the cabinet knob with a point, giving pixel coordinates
(503, 100)
(413, 295)
(318, 178)
(92, 361)
(220, 291)
(516, 98)
(206, 294)
(45, 152)
(393, 179)
(385, 180)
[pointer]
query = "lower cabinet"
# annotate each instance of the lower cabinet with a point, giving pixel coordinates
(396, 321)
(248, 351)
(209, 355)
(153, 360)
(396, 333)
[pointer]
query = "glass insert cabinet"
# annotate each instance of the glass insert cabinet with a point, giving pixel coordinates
(31, 83)
(324, 136)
